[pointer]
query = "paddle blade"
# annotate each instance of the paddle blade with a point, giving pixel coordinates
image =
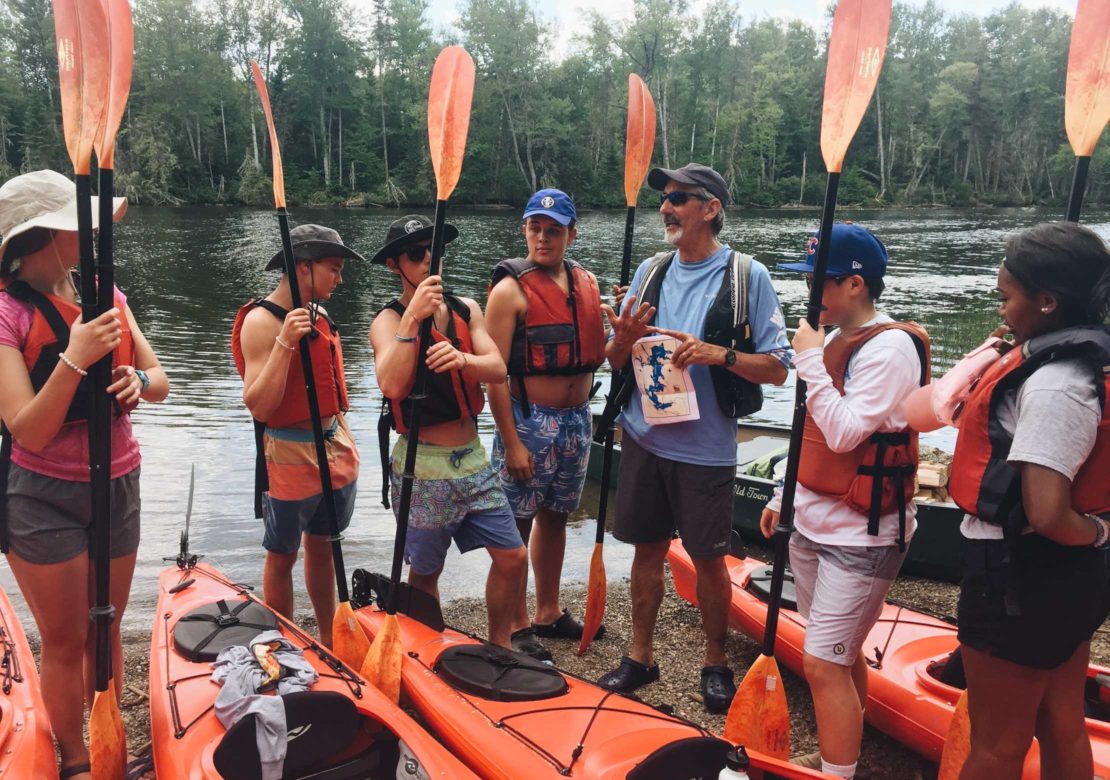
(856, 50)
(382, 667)
(958, 743)
(348, 641)
(449, 99)
(1087, 102)
(81, 34)
(758, 717)
(639, 139)
(595, 599)
(275, 151)
(122, 54)
(107, 742)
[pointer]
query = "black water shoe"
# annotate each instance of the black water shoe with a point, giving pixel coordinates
(629, 676)
(718, 688)
(566, 627)
(524, 641)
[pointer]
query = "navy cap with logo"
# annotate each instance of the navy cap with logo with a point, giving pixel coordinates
(691, 173)
(551, 203)
(854, 251)
(313, 242)
(408, 230)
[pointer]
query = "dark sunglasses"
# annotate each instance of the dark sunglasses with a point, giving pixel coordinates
(416, 252)
(679, 197)
(837, 279)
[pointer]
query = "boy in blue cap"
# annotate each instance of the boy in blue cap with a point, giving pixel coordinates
(544, 313)
(853, 510)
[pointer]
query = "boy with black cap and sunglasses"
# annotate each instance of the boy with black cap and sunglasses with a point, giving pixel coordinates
(456, 495)
(264, 343)
(544, 312)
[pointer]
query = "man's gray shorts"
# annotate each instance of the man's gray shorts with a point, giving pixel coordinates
(841, 592)
(50, 520)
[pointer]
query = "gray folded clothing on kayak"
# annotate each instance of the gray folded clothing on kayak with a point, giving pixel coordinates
(241, 676)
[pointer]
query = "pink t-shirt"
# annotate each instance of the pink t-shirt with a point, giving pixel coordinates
(66, 456)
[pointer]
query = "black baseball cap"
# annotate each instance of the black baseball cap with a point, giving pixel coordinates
(408, 230)
(691, 173)
(313, 242)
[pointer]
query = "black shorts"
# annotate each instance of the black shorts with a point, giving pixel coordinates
(1063, 594)
(655, 496)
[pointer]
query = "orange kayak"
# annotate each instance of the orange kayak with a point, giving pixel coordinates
(349, 727)
(906, 654)
(509, 717)
(26, 743)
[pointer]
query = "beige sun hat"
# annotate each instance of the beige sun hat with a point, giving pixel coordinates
(43, 199)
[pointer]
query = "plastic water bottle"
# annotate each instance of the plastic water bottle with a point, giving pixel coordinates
(736, 765)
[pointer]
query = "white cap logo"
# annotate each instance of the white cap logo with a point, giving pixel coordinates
(547, 201)
(856, 265)
(412, 226)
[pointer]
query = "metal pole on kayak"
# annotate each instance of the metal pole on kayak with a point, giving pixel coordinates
(638, 145)
(349, 642)
(449, 99)
(758, 717)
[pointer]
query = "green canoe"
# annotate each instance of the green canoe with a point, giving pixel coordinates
(934, 551)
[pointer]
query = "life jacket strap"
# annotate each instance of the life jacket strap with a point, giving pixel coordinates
(261, 476)
(878, 472)
(385, 425)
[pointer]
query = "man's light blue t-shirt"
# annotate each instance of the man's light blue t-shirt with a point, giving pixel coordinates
(688, 291)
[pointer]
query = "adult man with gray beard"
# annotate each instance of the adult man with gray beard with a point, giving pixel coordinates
(680, 475)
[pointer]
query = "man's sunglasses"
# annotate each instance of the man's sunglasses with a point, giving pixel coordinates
(416, 252)
(679, 197)
(837, 279)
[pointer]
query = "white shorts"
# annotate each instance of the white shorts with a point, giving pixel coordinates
(841, 591)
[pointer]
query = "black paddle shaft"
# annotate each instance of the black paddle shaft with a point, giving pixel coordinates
(1078, 187)
(614, 390)
(786, 513)
(416, 399)
(314, 413)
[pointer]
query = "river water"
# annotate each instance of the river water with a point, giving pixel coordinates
(186, 271)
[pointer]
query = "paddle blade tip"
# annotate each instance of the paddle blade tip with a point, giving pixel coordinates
(958, 742)
(382, 667)
(449, 100)
(107, 739)
(759, 718)
(349, 642)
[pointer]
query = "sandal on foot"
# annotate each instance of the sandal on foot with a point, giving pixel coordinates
(566, 627)
(629, 676)
(524, 641)
(74, 769)
(717, 688)
(138, 767)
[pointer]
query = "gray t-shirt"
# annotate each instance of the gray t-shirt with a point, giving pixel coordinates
(1054, 418)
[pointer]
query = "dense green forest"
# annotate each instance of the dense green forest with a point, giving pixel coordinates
(969, 109)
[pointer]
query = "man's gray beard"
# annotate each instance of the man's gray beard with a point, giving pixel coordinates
(672, 237)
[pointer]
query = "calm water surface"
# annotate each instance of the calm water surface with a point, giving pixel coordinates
(186, 272)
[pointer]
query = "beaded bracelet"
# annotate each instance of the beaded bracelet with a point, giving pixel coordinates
(1102, 530)
(65, 359)
(279, 341)
(404, 339)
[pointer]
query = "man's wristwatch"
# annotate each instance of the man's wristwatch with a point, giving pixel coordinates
(730, 357)
(143, 378)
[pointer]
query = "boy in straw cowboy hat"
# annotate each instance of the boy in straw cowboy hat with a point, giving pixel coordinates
(456, 495)
(45, 508)
(264, 343)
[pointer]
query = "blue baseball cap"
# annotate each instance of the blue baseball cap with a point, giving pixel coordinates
(855, 251)
(551, 203)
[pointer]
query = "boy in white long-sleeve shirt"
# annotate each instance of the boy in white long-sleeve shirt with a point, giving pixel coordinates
(853, 509)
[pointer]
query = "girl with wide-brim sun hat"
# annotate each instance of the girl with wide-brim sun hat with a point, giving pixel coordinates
(45, 513)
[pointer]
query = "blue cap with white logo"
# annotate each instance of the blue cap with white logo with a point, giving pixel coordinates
(854, 251)
(551, 203)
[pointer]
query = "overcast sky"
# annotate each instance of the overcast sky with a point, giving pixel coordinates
(566, 14)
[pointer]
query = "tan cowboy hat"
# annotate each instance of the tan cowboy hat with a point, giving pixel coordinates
(43, 199)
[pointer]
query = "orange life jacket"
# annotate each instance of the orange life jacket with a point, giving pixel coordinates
(562, 333)
(49, 336)
(326, 352)
(982, 482)
(876, 477)
(449, 396)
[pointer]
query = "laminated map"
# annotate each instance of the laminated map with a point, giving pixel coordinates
(666, 393)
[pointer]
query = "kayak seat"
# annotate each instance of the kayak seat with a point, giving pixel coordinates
(759, 585)
(950, 671)
(320, 726)
(498, 674)
(201, 634)
(697, 758)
